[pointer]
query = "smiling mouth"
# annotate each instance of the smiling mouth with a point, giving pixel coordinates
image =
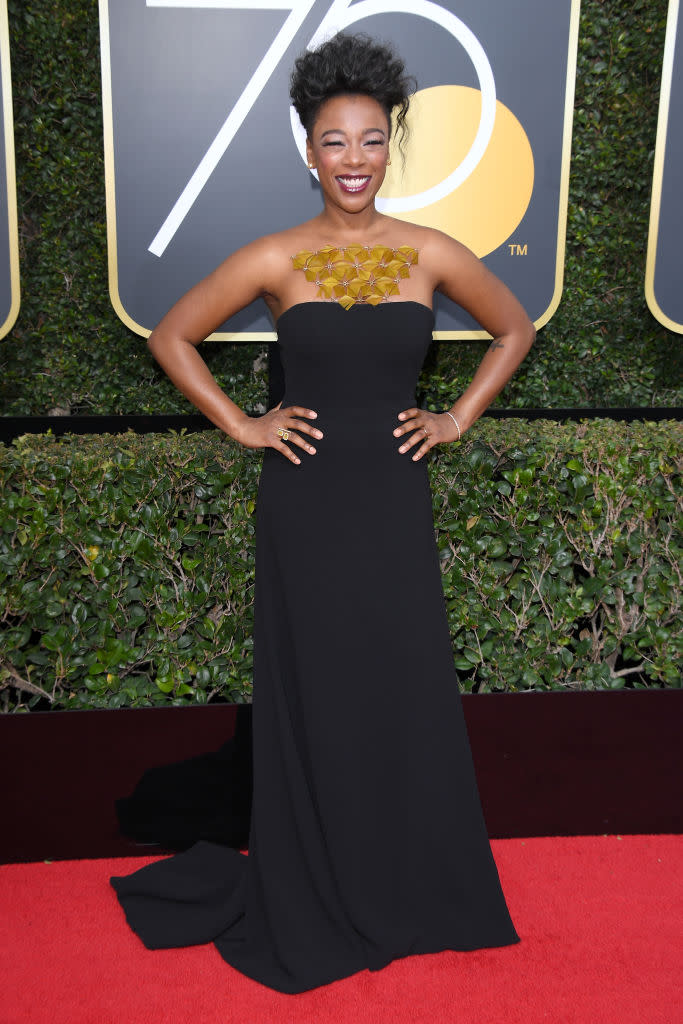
(353, 183)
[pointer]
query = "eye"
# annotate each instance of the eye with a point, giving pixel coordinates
(333, 142)
(375, 142)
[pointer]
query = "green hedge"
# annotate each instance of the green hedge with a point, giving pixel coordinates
(69, 352)
(126, 563)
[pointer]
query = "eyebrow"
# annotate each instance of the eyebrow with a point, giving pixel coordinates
(340, 131)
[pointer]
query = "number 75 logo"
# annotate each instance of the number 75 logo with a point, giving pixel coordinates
(470, 166)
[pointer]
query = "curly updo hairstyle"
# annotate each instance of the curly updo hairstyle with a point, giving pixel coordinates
(351, 64)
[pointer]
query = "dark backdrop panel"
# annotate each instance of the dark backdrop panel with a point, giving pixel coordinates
(172, 75)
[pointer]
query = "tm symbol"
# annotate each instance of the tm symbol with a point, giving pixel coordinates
(518, 250)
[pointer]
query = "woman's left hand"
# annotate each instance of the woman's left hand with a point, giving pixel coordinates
(425, 429)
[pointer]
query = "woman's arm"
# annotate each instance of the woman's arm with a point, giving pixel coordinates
(239, 280)
(466, 280)
(246, 275)
(458, 273)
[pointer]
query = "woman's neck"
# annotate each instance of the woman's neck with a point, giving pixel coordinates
(353, 226)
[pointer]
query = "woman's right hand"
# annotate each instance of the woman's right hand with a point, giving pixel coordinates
(262, 431)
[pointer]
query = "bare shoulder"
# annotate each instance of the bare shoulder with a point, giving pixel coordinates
(440, 253)
(457, 272)
(273, 254)
(259, 261)
(437, 250)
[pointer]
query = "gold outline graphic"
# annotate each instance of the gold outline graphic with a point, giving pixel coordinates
(266, 336)
(10, 174)
(658, 169)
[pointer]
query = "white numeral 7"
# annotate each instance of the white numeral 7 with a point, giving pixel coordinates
(341, 14)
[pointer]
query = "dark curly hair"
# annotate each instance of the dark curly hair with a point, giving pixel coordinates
(351, 64)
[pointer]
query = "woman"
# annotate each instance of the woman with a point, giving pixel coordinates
(367, 838)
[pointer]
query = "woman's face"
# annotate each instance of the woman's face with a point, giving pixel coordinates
(349, 148)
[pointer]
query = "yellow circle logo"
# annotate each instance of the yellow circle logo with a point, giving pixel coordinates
(485, 208)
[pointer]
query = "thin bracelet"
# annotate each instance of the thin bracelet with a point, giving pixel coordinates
(456, 423)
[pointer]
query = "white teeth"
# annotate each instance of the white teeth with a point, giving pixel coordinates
(354, 183)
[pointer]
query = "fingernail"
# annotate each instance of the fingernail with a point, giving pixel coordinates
(311, 449)
(298, 461)
(313, 415)
(397, 432)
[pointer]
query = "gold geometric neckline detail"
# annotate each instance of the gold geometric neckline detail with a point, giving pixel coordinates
(349, 274)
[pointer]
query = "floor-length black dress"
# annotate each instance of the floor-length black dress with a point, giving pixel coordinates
(367, 839)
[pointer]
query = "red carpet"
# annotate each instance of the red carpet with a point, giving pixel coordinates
(599, 918)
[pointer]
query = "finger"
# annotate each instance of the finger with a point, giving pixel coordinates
(308, 428)
(422, 450)
(300, 410)
(303, 443)
(298, 440)
(419, 434)
(407, 416)
(407, 413)
(288, 453)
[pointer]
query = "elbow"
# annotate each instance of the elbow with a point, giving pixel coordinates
(162, 343)
(155, 344)
(152, 343)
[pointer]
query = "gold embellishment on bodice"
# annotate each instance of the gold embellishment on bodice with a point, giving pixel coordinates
(356, 273)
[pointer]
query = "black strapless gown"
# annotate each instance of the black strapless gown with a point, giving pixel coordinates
(367, 838)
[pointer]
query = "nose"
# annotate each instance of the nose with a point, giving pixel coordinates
(354, 154)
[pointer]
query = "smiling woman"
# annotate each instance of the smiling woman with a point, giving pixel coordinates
(367, 838)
